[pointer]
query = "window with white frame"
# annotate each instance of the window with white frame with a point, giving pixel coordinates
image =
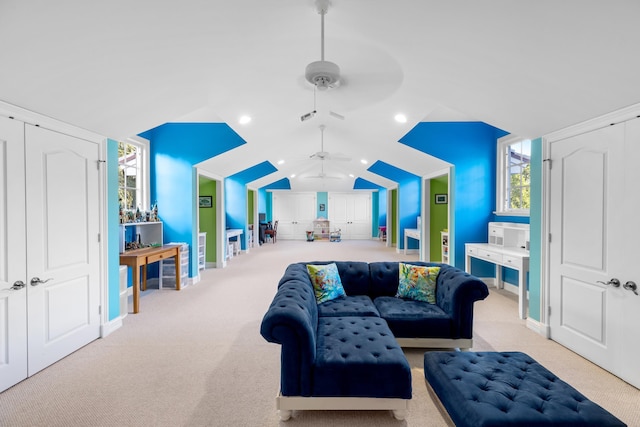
(132, 175)
(514, 176)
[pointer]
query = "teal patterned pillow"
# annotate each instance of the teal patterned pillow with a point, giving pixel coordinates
(418, 282)
(326, 282)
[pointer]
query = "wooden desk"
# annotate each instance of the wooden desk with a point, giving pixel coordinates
(140, 258)
(515, 258)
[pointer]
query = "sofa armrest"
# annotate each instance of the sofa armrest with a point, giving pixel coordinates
(292, 321)
(456, 292)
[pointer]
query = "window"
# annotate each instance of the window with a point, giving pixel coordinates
(132, 176)
(514, 176)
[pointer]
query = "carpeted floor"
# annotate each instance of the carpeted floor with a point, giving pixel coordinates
(196, 357)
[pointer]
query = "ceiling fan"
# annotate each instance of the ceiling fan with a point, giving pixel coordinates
(323, 74)
(324, 155)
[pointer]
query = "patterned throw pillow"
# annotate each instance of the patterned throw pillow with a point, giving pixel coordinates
(418, 282)
(326, 282)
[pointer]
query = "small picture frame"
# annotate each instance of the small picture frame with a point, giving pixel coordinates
(441, 199)
(205, 201)
(322, 207)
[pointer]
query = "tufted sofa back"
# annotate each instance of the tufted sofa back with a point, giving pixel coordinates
(354, 275)
(385, 277)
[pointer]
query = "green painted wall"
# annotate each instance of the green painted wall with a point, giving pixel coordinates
(250, 206)
(394, 216)
(438, 221)
(208, 220)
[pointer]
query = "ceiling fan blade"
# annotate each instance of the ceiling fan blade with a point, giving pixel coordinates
(336, 115)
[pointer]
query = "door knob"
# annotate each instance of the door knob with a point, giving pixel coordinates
(631, 286)
(18, 284)
(613, 282)
(36, 281)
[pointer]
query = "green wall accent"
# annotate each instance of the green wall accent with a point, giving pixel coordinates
(535, 229)
(438, 221)
(208, 220)
(394, 216)
(250, 206)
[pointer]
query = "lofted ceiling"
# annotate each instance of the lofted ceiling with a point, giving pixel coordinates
(119, 68)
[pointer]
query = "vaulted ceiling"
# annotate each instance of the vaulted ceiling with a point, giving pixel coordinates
(119, 68)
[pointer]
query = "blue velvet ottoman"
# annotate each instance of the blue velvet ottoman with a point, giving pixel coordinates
(480, 389)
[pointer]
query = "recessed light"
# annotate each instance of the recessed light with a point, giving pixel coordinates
(293, 175)
(364, 161)
(401, 118)
(351, 175)
(280, 162)
(243, 120)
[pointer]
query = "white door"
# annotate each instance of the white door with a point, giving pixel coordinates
(295, 213)
(351, 213)
(62, 200)
(13, 302)
(594, 235)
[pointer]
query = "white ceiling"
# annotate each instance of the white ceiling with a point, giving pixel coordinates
(120, 67)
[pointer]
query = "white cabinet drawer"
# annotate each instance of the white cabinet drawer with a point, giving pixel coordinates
(491, 256)
(471, 250)
(514, 261)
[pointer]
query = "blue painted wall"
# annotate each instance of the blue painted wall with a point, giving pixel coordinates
(535, 212)
(236, 196)
(322, 198)
(409, 198)
(174, 149)
(471, 148)
(113, 230)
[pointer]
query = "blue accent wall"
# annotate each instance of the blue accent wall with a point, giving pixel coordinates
(471, 148)
(174, 149)
(236, 196)
(322, 197)
(535, 212)
(409, 198)
(113, 230)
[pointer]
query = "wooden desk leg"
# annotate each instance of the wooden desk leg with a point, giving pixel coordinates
(135, 280)
(144, 277)
(177, 256)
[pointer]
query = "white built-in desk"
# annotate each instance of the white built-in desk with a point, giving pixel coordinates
(411, 233)
(511, 257)
(233, 232)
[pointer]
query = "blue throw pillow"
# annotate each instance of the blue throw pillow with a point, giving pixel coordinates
(326, 282)
(417, 282)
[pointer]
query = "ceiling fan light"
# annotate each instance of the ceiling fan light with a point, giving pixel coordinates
(323, 74)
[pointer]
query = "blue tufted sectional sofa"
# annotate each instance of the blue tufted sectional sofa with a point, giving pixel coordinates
(346, 353)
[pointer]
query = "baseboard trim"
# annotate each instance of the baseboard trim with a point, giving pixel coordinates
(461, 343)
(286, 404)
(107, 328)
(538, 327)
